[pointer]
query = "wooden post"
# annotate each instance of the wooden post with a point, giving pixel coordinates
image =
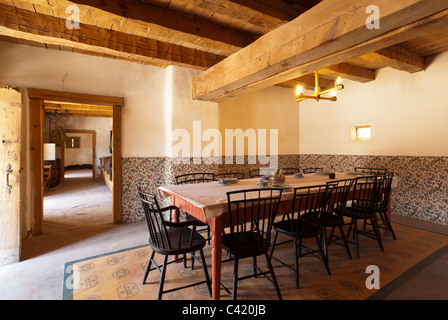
(37, 164)
(116, 164)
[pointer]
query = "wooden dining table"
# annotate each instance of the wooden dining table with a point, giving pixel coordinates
(208, 203)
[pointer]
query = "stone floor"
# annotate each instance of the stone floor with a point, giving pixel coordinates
(77, 224)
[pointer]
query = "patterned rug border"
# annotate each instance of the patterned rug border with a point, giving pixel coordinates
(67, 293)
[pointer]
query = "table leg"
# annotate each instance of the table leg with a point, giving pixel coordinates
(216, 228)
(175, 218)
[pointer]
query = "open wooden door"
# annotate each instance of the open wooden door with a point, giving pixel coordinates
(10, 164)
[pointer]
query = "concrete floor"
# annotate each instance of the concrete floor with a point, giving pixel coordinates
(77, 224)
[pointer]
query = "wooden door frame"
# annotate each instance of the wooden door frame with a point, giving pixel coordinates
(93, 133)
(37, 98)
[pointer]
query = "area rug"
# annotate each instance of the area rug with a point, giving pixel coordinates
(118, 275)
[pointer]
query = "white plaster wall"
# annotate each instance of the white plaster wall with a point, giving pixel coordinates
(270, 108)
(142, 86)
(184, 110)
(81, 155)
(408, 114)
(102, 126)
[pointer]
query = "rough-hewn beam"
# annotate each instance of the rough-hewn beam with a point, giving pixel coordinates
(307, 82)
(350, 72)
(274, 8)
(146, 20)
(332, 32)
(398, 58)
(260, 14)
(24, 24)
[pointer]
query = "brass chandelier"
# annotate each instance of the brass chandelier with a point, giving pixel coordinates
(318, 95)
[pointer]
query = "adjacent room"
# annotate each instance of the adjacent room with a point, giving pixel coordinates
(219, 150)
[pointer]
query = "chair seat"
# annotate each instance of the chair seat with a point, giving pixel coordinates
(330, 220)
(357, 212)
(189, 217)
(244, 244)
(180, 242)
(300, 229)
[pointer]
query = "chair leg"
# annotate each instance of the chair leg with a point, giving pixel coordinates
(324, 256)
(235, 279)
(323, 239)
(274, 279)
(254, 262)
(374, 222)
(386, 221)
(297, 247)
(148, 267)
(273, 245)
(331, 234)
(162, 278)
(204, 267)
(341, 230)
(355, 235)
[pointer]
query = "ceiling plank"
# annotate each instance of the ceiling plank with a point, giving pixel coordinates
(148, 20)
(42, 28)
(307, 43)
(250, 11)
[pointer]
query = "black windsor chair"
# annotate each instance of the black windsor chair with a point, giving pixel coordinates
(333, 216)
(196, 177)
(190, 178)
(303, 222)
(258, 173)
(237, 175)
(367, 194)
(251, 216)
(370, 171)
(312, 170)
(170, 238)
(289, 171)
(382, 207)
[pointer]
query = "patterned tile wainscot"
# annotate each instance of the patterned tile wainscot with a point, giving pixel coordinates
(422, 191)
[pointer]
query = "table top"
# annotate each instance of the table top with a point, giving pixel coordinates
(211, 197)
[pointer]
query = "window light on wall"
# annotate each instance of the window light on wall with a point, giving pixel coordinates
(360, 132)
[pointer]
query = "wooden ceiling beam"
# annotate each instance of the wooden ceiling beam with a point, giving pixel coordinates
(146, 20)
(307, 82)
(350, 72)
(265, 14)
(332, 32)
(397, 58)
(24, 24)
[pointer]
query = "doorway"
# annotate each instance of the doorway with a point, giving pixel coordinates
(71, 104)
